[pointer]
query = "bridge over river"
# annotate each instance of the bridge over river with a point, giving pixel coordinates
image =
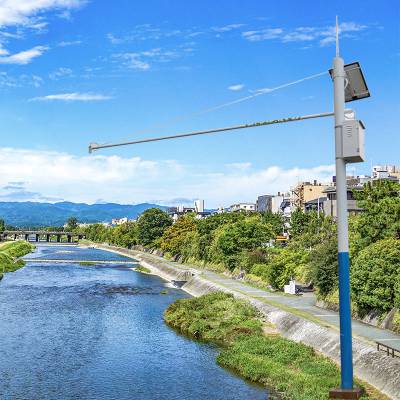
(42, 236)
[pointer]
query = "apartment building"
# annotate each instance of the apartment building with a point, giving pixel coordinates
(248, 207)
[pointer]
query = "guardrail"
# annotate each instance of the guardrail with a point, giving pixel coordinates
(390, 351)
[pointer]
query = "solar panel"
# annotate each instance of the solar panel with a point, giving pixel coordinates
(356, 88)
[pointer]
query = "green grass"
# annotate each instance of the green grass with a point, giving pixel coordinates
(145, 270)
(292, 369)
(9, 254)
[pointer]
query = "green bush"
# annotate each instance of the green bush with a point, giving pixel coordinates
(16, 249)
(324, 266)
(292, 369)
(375, 274)
(288, 367)
(260, 270)
(283, 264)
(216, 317)
(9, 252)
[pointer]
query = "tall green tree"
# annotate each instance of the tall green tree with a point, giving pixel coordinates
(275, 220)
(151, 226)
(232, 240)
(298, 222)
(72, 224)
(380, 218)
(125, 235)
(323, 266)
(284, 264)
(375, 276)
(174, 238)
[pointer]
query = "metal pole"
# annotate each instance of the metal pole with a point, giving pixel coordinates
(96, 146)
(342, 228)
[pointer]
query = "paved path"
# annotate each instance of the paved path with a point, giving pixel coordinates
(304, 305)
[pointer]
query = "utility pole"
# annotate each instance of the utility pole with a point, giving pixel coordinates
(346, 353)
(349, 85)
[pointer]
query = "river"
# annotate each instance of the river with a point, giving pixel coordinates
(73, 331)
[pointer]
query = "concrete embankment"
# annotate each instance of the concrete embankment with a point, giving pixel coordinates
(374, 367)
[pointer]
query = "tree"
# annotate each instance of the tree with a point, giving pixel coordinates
(125, 235)
(206, 229)
(232, 240)
(2, 225)
(380, 218)
(72, 224)
(173, 240)
(275, 220)
(324, 266)
(151, 226)
(98, 233)
(285, 263)
(315, 229)
(298, 222)
(375, 275)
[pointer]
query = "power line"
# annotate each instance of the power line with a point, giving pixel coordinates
(257, 93)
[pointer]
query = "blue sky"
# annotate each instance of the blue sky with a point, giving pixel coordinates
(73, 72)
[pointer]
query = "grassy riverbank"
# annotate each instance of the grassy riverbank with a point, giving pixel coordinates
(10, 253)
(253, 350)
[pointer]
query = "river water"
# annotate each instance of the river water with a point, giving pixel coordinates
(73, 331)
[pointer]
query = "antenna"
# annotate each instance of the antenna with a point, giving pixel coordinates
(337, 36)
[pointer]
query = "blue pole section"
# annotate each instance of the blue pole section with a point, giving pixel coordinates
(346, 355)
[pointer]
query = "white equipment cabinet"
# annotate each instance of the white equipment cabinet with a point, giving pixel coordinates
(352, 148)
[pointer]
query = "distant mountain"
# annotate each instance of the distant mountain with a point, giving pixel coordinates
(33, 214)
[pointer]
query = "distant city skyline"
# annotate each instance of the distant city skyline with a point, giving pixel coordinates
(77, 71)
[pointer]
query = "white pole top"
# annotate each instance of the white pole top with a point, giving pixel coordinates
(337, 36)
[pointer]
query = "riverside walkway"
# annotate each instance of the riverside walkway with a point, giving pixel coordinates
(303, 305)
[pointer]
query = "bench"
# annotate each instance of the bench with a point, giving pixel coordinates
(390, 351)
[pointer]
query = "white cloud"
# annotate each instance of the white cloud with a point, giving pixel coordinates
(26, 12)
(143, 60)
(322, 35)
(23, 57)
(245, 184)
(263, 34)
(236, 88)
(61, 72)
(133, 62)
(69, 43)
(69, 97)
(113, 178)
(227, 28)
(84, 178)
(22, 80)
(113, 39)
(239, 166)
